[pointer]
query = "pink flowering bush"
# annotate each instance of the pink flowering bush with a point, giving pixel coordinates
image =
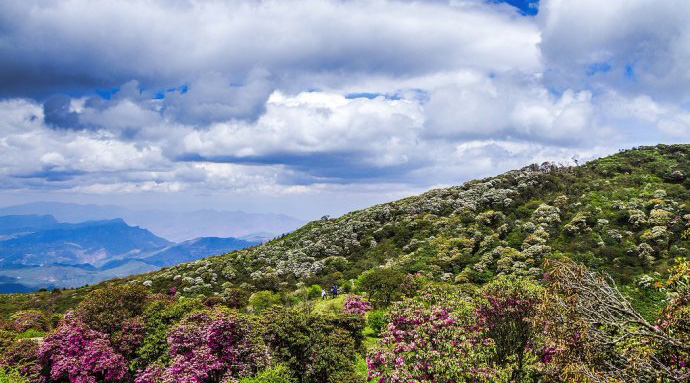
(209, 346)
(130, 337)
(354, 304)
(427, 343)
(78, 354)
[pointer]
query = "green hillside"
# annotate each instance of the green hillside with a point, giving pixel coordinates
(626, 214)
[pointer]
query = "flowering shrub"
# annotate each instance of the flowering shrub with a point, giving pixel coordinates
(30, 320)
(105, 309)
(209, 346)
(159, 317)
(438, 337)
(130, 337)
(81, 355)
(503, 315)
(426, 344)
(354, 304)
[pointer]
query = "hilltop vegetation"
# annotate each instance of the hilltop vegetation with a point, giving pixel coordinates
(503, 279)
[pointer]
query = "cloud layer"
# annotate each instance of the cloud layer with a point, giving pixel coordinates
(277, 98)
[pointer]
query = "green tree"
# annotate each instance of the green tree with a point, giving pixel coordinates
(383, 285)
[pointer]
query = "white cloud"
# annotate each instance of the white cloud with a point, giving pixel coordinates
(299, 99)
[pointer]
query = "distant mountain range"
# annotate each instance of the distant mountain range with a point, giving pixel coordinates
(173, 226)
(38, 251)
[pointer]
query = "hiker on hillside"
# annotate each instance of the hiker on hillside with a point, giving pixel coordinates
(335, 291)
(323, 294)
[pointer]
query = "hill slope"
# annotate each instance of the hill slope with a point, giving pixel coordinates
(626, 213)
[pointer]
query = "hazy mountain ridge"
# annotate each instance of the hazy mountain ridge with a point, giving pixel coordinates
(174, 226)
(38, 251)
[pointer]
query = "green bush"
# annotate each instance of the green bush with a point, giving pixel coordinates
(105, 309)
(314, 291)
(317, 348)
(383, 285)
(275, 374)
(6, 339)
(264, 299)
(28, 334)
(11, 376)
(159, 317)
(377, 321)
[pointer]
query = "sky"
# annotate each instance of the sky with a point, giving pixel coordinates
(314, 107)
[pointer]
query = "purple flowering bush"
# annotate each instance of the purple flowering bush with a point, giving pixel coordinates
(78, 354)
(354, 304)
(443, 337)
(209, 346)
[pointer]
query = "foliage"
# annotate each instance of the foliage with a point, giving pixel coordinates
(105, 309)
(21, 356)
(440, 337)
(262, 300)
(11, 376)
(377, 320)
(6, 339)
(592, 333)
(276, 374)
(30, 320)
(316, 348)
(236, 298)
(503, 314)
(383, 285)
(159, 317)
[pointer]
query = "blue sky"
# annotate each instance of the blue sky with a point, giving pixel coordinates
(312, 107)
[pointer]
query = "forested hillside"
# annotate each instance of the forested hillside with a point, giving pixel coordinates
(544, 274)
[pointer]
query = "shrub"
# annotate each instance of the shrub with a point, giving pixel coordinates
(21, 356)
(377, 321)
(236, 298)
(383, 285)
(30, 320)
(315, 347)
(504, 312)
(159, 317)
(79, 354)
(314, 292)
(105, 309)
(6, 339)
(209, 346)
(354, 304)
(263, 299)
(11, 376)
(276, 374)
